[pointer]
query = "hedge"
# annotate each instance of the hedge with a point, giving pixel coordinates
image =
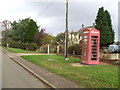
(25, 46)
(75, 49)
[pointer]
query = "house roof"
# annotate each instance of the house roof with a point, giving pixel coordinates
(83, 28)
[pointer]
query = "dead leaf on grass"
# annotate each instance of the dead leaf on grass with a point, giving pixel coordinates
(112, 84)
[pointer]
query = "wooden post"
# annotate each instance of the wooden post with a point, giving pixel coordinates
(7, 45)
(48, 49)
(58, 48)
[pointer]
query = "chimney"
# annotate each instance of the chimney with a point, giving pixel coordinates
(82, 25)
(93, 24)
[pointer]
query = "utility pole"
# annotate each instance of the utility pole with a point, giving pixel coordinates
(66, 33)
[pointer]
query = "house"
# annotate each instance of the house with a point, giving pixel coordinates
(76, 37)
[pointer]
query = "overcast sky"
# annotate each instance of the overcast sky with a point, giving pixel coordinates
(50, 14)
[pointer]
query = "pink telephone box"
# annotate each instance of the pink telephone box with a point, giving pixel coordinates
(90, 46)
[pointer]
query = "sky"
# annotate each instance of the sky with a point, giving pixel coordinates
(50, 14)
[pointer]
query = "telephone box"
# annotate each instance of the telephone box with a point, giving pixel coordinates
(90, 46)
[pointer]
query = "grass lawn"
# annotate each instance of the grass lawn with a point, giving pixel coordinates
(16, 50)
(93, 76)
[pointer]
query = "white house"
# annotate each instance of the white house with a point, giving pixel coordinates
(75, 38)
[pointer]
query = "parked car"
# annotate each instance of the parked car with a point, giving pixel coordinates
(114, 48)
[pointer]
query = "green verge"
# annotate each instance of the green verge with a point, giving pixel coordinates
(93, 76)
(16, 50)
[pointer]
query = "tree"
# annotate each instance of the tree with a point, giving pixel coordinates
(31, 29)
(24, 30)
(60, 38)
(42, 38)
(6, 35)
(112, 33)
(48, 39)
(6, 25)
(6, 30)
(103, 23)
(15, 31)
(39, 37)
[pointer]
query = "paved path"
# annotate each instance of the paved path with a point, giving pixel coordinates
(21, 54)
(14, 76)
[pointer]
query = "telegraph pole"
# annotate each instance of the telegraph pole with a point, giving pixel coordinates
(66, 33)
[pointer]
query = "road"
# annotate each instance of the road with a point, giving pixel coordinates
(14, 76)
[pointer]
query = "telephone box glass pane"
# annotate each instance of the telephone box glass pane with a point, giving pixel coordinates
(85, 42)
(94, 55)
(85, 47)
(94, 52)
(94, 46)
(85, 36)
(85, 39)
(94, 36)
(94, 49)
(93, 58)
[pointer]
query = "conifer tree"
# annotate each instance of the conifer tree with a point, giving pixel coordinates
(103, 23)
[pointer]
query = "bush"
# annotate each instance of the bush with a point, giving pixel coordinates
(61, 49)
(76, 48)
(31, 46)
(43, 49)
(15, 44)
(4, 44)
(25, 46)
(53, 49)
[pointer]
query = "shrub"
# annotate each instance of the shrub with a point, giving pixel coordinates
(53, 49)
(61, 49)
(15, 44)
(31, 46)
(76, 48)
(25, 46)
(43, 49)
(4, 43)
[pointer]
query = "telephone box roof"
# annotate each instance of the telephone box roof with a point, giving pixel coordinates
(90, 29)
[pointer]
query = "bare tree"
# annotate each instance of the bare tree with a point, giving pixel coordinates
(5, 25)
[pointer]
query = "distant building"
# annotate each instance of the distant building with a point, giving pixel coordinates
(73, 38)
(76, 37)
(83, 28)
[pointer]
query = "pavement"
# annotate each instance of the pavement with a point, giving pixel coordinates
(14, 76)
(51, 79)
